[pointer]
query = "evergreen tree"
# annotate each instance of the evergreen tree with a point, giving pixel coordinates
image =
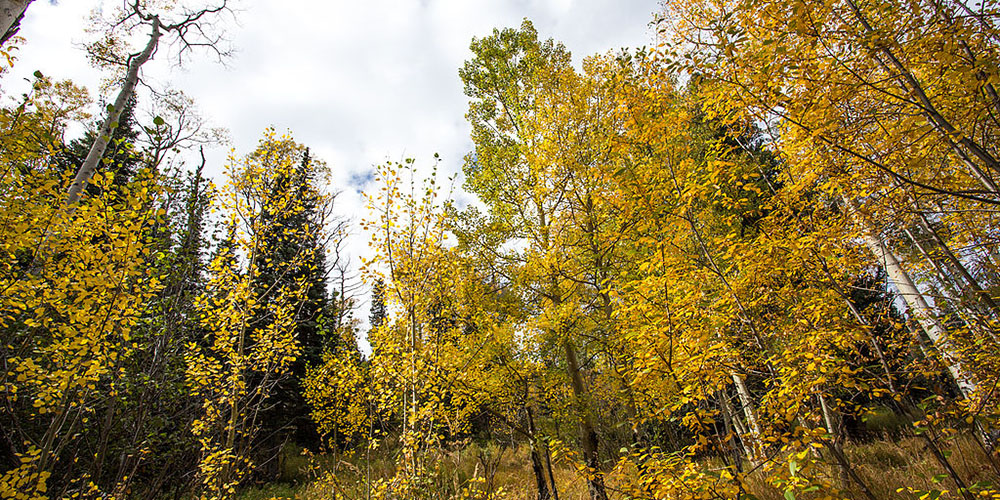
(123, 159)
(291, 236)
(376, 316)
(294, 234)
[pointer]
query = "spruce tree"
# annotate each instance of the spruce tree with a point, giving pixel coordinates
(124, 160)
(297, 234)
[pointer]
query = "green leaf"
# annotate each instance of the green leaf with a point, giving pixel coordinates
(38, 74)
(789, 495)
(158, 121)
(793, 467)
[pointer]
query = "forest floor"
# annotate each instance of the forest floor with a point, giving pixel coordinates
(886, 465)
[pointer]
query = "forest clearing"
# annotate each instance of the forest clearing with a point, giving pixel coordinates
(758, 258)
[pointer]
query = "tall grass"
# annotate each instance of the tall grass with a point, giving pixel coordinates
(490, 471)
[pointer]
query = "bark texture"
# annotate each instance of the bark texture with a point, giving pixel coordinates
(11, 13)
(915, 301)
(588, 431)
(96, 153)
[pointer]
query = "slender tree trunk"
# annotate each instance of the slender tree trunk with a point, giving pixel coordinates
(943, 460)
(588, 432)
(942, 125)
(951, 288)
(905, 405)
(914, 301)
(849, 471)
(922, 312)
(548, 468)
(234, 403)
(976, 289)
(541, 483)
(752, 431)
(102, 449)
(890, 380)
(746, 401)
(96, 153)
(971, 285)
(536, 462)
(832, 422)
(974, 312)
(11, 13)
(981, 75)
(737, 427)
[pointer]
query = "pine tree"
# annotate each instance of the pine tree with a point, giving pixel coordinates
(376, 316)
(292, 236)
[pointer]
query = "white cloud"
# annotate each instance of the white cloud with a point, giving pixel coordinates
(358, 82)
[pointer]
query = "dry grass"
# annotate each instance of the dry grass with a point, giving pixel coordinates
(889, 464)
(885, 465)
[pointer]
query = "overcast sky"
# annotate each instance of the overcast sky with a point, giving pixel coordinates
(359, 82)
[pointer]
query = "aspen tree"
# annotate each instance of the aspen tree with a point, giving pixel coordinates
(11, 14)
(70, 327)
(187, 27)
(250, 342)
(519, 175)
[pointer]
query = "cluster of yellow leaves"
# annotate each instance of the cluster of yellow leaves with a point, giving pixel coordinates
(250, 324)
(340, 397)
(74, 285)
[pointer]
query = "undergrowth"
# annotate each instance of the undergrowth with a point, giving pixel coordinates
(888, 465)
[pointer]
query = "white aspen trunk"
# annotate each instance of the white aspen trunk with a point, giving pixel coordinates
(96, 153)
(738, 427)
(746, 401)
(11, 13)
(751, 432)
(968, 285)
(914, 300)
(833, 428)
(828, 418)
(921, 311)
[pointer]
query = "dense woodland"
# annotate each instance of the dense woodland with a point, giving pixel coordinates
(760, 259)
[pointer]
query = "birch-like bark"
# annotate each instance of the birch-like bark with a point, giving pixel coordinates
(914, 300)
(96, 153)
(11, 13)
(751, 431)
(973, 286)
(746, 401)
(738, 427)
(921, 311)
(832, 422)
(951, 289)
(903, 399)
